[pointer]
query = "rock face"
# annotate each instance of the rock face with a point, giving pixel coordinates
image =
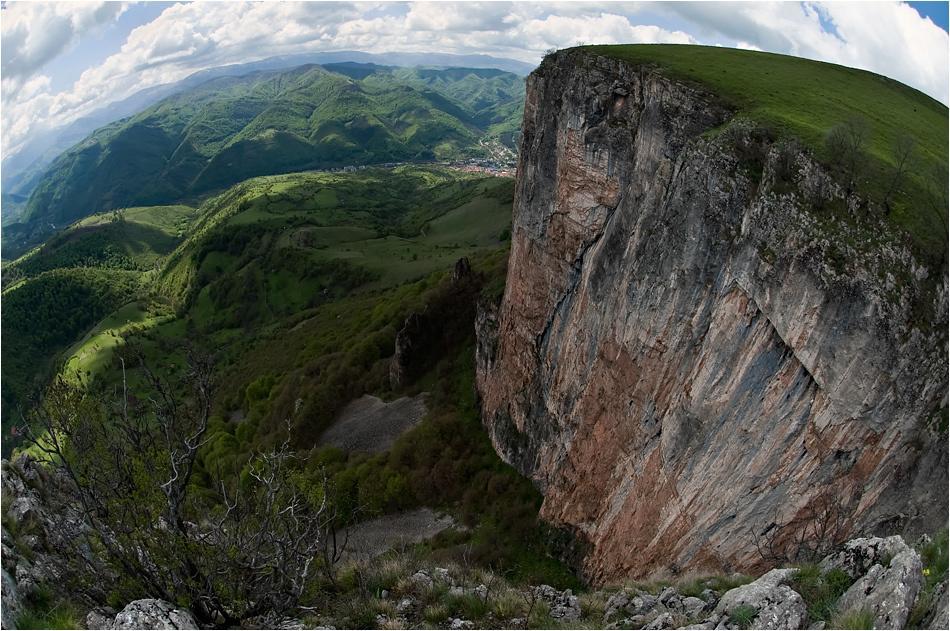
(687, 352)
(150, 613)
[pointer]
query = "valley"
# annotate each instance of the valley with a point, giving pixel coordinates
(625, 345)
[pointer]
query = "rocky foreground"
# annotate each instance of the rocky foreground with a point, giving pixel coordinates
(870, 582)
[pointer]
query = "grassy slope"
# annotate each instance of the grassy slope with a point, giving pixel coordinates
(806, 98)
(304, 364)
(133, 239)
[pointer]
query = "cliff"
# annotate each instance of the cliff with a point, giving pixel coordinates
(705, 343)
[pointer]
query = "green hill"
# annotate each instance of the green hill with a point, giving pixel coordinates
(230, 129)
(805, 99)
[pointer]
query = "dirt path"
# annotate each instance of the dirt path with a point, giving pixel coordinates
(372, 425)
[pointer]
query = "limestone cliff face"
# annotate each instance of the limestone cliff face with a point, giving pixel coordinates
(687, 351)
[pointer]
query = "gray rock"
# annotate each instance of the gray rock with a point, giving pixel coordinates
(671, 599)
(100, 618)
(563, 605)
(405, 606)
(421, 579)
(889, 593)
(11, 605)
(442, 575)
(777, 605)
(693, 607)
(938, 618)
(858, 555)
(616, 603)
(151, 613)
(458, 623)
(663, 621)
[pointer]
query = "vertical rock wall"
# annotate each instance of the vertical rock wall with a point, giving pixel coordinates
(688, 357)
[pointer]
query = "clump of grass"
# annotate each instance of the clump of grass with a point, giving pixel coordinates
(593, 605)
(507, 605)
(936, 559)
(853, 619)
(721, 584)
(743, 615)
(45, 611)
(467, 606)
(820, 591)
(436, 613)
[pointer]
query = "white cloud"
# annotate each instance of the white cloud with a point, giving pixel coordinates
(886, 37)
(34, 33)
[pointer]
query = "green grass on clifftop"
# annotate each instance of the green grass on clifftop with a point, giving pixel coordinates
(804, 98)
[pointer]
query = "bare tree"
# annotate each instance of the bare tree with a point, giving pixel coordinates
(814, 533)
(903, 152)
(248, 550)
(846, 144)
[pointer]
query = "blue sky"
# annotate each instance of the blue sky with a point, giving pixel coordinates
(63, 60)
(936, 11)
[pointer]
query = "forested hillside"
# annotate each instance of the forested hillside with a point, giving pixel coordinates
(233, 128)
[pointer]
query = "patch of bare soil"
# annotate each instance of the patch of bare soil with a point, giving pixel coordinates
(370, 539)
(370, 424)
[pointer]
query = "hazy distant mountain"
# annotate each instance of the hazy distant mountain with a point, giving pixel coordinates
(23, 170)
(232, 128)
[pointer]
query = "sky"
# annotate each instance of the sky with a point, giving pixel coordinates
(63, 60)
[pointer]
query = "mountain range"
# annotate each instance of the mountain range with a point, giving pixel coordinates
(310, 117)
(23, 168)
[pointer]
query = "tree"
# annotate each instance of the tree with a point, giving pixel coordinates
(845, 144)
(903, 152)
(248, 549)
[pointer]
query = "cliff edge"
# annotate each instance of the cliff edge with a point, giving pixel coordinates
(706, 345)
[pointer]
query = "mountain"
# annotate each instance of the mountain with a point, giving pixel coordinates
(716, 339)
(311, 117)
(22, 170)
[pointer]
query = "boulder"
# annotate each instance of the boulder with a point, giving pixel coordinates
(671, 599)
(888, 593)
(859, 555)
(151, 613)
(421, 579)
(776, 604)
(458, 623)
(563, 605)
(100, 618)
(693, 607)
(663, 621)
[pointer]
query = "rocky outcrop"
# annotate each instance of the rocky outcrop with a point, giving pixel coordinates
(858, 556)
(887, 593)
(426, 334)
(150, 613)
(691, 352)
(774, 603)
